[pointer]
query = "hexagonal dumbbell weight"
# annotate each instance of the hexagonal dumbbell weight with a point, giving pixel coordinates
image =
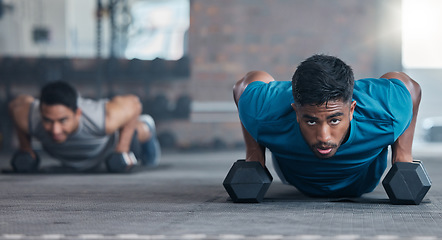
(121, 162)
(247, 182)
(407, 183)
(23, 162)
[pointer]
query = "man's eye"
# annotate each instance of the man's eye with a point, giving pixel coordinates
(63, 120)
(311, 123)
(335, 121)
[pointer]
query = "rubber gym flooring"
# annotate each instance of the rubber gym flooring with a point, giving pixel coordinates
(184, 199)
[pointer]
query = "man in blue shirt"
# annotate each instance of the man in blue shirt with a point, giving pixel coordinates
(328, 134)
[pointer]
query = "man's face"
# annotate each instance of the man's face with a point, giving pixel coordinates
(59, 121)
(325, 127)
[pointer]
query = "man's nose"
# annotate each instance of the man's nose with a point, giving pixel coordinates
(324, 134)
(56, 128)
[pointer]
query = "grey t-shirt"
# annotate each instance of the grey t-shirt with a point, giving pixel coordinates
(87, 146)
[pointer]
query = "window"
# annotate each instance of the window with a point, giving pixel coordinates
(158, 30)
(421, 34)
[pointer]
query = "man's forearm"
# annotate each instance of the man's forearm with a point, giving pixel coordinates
(125, 137)
(254, 151)
(24, 141)
(122, 114)
(402, 148)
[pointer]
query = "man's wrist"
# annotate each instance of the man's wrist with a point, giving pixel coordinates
(402, 158)
(256, 155)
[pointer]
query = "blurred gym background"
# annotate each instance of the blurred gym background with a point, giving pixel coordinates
(182, 57)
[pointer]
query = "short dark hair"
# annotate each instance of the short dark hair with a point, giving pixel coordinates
(320, 79)
(59, 92)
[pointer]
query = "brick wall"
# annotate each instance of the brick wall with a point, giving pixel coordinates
(230, 37)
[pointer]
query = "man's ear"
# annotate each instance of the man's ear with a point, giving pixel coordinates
(352, 109)
(295, 109)
(78, 113)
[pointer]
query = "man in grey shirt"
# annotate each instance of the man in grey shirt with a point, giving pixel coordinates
(83, 133)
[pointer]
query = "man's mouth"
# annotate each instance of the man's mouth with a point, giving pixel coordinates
(58, 137)
(324, 151)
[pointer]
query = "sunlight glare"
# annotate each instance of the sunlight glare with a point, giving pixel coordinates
(421, 33)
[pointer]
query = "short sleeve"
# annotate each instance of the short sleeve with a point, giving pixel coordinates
(401, 106)
(263, 103)
(249, 106)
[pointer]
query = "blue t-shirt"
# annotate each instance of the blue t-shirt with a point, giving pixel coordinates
(383, 112)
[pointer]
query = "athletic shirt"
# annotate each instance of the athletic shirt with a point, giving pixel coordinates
(87, 146)
(383, 112)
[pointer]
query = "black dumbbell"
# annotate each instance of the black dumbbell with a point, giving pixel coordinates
(23, 162)
(247, 182)
(407, 183)
(121, 162)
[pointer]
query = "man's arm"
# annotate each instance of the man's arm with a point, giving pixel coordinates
(19, 111)
(254, 151)
(122, 115)
(401, 149)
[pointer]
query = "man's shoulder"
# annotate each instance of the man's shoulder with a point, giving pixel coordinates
(266, 96)
(378, 86)
(371, 96)
(270, 85)
(381, 92)
(268, 91)
(92, 106)
(93, 114)
(89, 102)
